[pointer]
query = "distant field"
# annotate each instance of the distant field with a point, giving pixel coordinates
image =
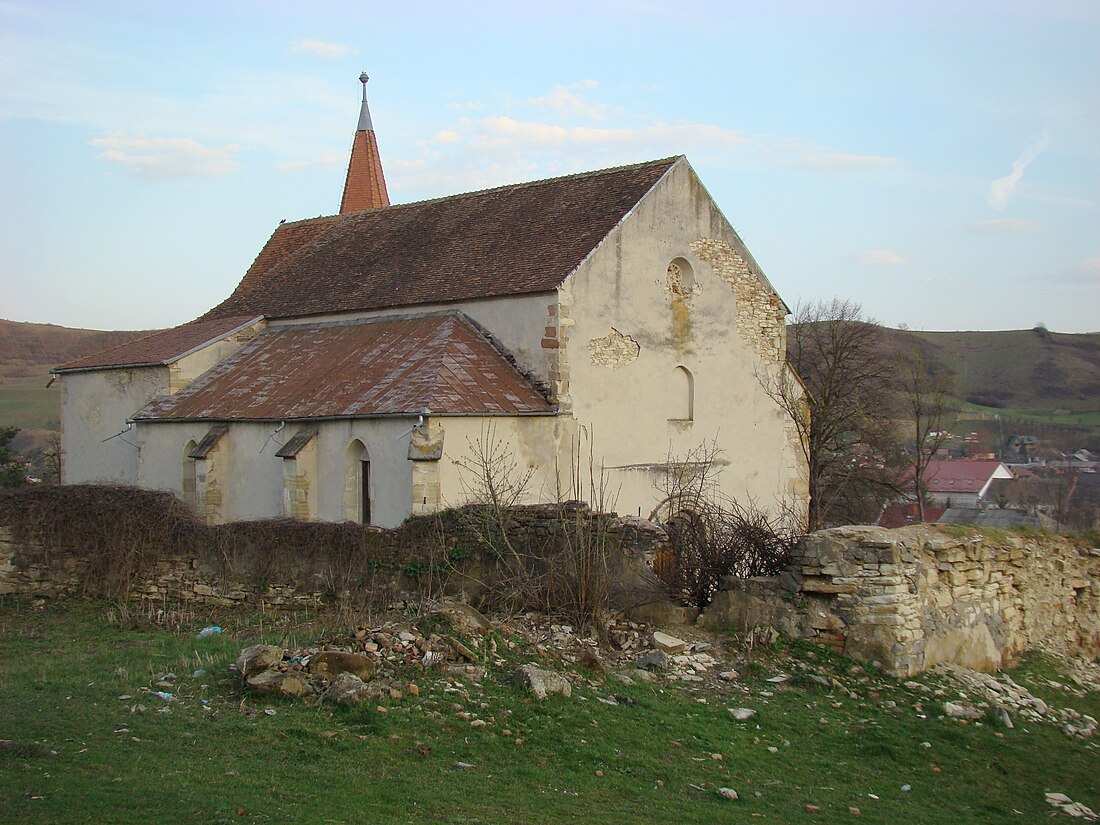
(30, 408)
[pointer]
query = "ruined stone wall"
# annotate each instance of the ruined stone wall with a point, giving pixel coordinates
(914, 597)
(461, 565)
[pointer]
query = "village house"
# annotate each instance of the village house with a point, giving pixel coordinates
(369, 359)
(962, 483)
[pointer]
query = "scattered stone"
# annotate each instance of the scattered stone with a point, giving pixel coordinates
(349, 689)
(653, 660)
(257, 659)
(961, 710)
(668, 644)
(1002, 717)
(812, 809)
(728, 794)
(729, 675)
(741, 714)
(334, 662)
(463, 651)
(540, 682)
(853, 810)
(279, 683)
(1071, 808)
(463, 619)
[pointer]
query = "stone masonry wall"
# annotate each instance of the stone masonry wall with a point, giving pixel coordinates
(917, 596)
(309, 584)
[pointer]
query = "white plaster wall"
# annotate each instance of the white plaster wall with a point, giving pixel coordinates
(94, 406)
(387, 443)
(190, 367)
(534, 441)
(517, 322)
(628, 408)
(252, 481)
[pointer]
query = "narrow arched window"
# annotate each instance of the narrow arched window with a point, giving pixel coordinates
(683, 394)
(189, 475)
(357, 487)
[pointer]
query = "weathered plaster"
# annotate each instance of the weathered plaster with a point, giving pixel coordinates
(613, 350)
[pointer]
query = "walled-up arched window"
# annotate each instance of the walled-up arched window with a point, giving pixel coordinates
(683, 394)
(189, 475)
(357, 498)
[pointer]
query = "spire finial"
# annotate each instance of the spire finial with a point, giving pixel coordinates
(365, 186)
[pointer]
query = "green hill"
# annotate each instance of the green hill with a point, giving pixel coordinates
(1032, 375)
(27, 354)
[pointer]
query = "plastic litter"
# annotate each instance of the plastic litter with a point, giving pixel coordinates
(165, 695)
(209, 631)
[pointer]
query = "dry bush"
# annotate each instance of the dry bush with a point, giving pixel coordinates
(117, 535)
(711, 536)
(718, 541)
(559, 565)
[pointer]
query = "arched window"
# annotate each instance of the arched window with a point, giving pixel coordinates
(357, 498)
(681, 277)
(683, 394)
(189, 475)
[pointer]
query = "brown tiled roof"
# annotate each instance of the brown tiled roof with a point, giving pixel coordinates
(162, 347)
(387, 366)
(508, 241)
(365, 185)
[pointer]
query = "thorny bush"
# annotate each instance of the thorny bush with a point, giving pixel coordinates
(118, 534)
(723, 540)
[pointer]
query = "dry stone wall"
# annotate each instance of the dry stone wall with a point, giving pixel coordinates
(252, 578)
(915, 597)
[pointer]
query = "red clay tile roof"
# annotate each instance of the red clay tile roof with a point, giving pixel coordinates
(961, 475)
(508, 241)
(387, 366)
(899, 515)
(162, 347)
(365, 185)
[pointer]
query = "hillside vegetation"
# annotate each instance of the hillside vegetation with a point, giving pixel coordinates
(1023, 369)
(29, 351)
(1034, 374)
(27, 354)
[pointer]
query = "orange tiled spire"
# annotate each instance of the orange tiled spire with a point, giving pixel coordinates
(365, 187)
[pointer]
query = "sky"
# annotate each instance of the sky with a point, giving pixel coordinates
(937, 163)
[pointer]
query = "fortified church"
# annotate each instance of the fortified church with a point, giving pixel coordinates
(611, 319)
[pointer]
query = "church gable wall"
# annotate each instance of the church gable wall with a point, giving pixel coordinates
(663, 333)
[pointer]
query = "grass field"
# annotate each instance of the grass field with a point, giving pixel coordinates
(30, 408)
(77, 751)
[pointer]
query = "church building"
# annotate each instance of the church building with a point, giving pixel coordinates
(370, 362)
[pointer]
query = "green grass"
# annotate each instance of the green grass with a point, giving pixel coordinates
(81, 754)
(30, 407)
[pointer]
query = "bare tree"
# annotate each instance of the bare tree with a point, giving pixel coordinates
(923, 387)
(838, 398)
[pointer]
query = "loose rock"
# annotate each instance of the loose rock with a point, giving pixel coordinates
(540, 682)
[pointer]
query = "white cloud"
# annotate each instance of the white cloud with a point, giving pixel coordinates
(1002, 189)
(323, 49)
(565, 102)
(499, 131)
(1007, 226)
(167, 158)
(329, 160)
(824, 160)
(446, 136)
(882, 257)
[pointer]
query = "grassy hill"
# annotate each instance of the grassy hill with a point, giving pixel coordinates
(96, 730)
(1049, 378)
(27, 354)
(1035, 380)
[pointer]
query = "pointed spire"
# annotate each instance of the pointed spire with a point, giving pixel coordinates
(365, 186)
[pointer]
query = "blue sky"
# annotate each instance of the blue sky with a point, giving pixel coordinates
(939, 163)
